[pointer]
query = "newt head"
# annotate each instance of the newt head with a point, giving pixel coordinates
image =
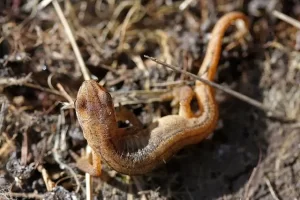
(94, 103)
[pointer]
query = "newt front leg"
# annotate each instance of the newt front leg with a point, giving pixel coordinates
(137, 151)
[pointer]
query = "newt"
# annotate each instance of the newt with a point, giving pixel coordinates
(136, 150)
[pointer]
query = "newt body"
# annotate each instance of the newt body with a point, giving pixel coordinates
(136, 151)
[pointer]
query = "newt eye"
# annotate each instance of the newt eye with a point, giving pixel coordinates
(124, 124)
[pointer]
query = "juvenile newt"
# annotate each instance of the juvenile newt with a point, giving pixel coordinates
(136, 150)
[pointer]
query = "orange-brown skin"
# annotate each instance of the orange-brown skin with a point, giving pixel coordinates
(135, 150)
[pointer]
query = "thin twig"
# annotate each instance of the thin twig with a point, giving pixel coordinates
(3, 111)
(185, 4)
(47, 180)
(134, 93)
(8, 146)
(172, 83)
(257, 104)
(286, 18)
(125, 24)
(22, 195)
(70, 35)
(88, 178)
(272, 191)
(15, 81)
(134, 102)
(31, 85)
(249, 183)
(64, 93)
(43, 4)
(24, 148)
(253, 174)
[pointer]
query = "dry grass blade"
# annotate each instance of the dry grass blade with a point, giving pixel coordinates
(70, 35)
(271, 189)
(287, 19)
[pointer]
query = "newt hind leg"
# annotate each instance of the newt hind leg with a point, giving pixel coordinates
(93, 168)
(183, 96)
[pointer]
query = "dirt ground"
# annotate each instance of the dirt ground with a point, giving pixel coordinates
(249, 155)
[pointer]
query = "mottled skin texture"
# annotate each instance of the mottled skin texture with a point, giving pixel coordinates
(135, 150)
